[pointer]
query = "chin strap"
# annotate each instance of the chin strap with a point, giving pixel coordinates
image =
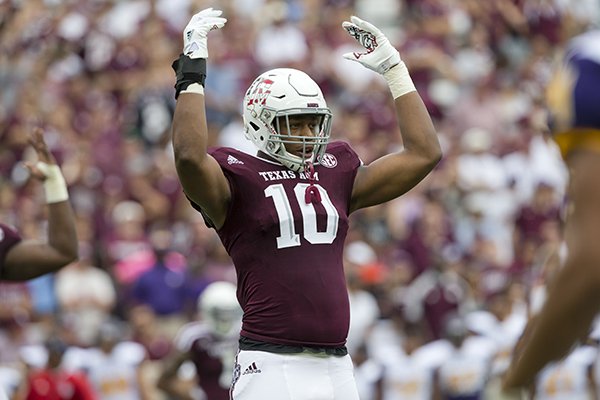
(311, 195)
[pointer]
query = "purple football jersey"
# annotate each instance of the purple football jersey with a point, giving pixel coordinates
(8, 238)
(289, 254)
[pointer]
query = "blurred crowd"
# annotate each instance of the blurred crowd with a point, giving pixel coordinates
(476, 241)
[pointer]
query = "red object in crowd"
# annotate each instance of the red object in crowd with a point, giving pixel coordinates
(59, 385)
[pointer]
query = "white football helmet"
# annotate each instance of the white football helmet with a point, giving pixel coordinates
(219, 308)
(284, 92)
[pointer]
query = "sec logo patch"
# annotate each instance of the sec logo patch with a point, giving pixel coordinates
(328, 160)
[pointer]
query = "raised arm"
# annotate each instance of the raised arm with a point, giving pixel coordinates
(202, 179)
(31, 258)
(573, 299)
(574, 293)
(394, 174)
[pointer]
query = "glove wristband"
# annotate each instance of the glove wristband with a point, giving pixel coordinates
(399, 80)
(55, 186)
(187, 71)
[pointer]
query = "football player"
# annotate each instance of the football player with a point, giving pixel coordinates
(115, 368)
(21, 260)
(574, 294)
(210, 344)
(282, 214)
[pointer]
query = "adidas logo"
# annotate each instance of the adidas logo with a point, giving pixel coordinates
(232, 160)
(251, 369)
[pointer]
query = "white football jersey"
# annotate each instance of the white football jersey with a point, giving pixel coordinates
(115, 375)
(411, 377)
(10, 379)
(467, 369)
(366, 376)
(567, 379)
(504, 333)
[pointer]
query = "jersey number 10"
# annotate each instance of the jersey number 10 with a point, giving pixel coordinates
(288, 236)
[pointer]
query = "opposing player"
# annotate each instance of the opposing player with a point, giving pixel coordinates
(26, 259)
(210, 344)
(574, 294)
(115, 368)
(283, 214)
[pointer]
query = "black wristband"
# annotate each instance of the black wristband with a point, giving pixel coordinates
(188, 70)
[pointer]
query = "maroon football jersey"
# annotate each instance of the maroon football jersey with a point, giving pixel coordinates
(289, 254)
(8, 238)
(213, 357)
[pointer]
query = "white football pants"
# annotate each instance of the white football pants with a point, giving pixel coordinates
(259, 375)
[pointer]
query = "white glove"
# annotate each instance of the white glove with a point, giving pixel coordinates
(194, 35)
(380, 55)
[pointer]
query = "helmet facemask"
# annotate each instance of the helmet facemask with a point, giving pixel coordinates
(220, 309)
(222, 320)
(285, 137)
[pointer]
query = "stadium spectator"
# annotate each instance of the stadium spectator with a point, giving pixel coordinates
(86, 296)
(56, 382)
(146, 331)
(364, 309)
(166, 275)
(280, 42)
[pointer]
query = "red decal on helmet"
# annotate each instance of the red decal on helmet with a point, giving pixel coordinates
(260, 92)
